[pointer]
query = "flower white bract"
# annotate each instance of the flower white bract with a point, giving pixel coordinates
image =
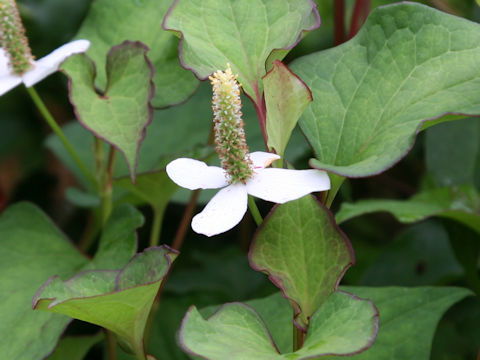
(227, 208)
(41, 68)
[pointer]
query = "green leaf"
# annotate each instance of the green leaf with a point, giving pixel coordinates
(138, 21)
(75, 347)
(286, 97)
(303, 252)
(122, 112)
(242, 33)
(32, 250)
(408, 319)
(421, 255)
(118, 243)
(452, 151)
(461, 204)
(153, 188)
(116, 300)
(344, 325)
(373, 93)
(225, 334)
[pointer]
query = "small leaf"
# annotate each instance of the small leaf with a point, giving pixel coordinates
(225, 334)
(344, 325)
(32, 250)
(242, 33)
(75, 347)
(372, 94)
(303, 252)
(461, 204)
(121, 114)
(138, 21)
(116, 300)
(154, 188)
(118, 243)
(286, 97)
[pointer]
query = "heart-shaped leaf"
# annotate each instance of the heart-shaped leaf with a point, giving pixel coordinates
(372, 93)
(117, 300)
(242, 33)
(303, 252)
(286, 97)
(32, 250)
(138, 21)
(122, 112)
(344, 325)
(461, 204)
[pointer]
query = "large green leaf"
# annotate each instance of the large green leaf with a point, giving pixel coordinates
(111, 22)
(33, 249)
(242, 33)
(408, 319)
(461, 204)
(408, 63)
(122, 112)
(286, 97)
(117, 300)
(303, 252)
(344, 325)
(452, 152)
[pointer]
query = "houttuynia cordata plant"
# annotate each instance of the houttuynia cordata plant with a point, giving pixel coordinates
(196, 179)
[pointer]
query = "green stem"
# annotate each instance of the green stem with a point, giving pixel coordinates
(58, 131)
(298, 338)
(254, 210)
(336, 182)
(156, 226)
(107, 188)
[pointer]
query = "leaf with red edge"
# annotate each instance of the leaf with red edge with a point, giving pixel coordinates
(243, 33)
(303, 252)
(121, 113)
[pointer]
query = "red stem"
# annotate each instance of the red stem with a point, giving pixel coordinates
(360, 13)
(261, 110)
(339, 21)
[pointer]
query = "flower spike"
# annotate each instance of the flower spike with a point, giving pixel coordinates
(231, 146)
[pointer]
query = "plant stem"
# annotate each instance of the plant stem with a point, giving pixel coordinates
(107, 188)
(254, 210)
(261, 110)
(298, 338)
(339, 21)
(360, 13)
(111, 345)
(156, 226)
(58, 131)
(187, 216)
(336, 182)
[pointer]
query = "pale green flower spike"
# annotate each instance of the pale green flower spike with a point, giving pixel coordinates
(242, 173)
(17, 64)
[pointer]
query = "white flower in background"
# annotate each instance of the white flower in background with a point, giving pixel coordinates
(242, 173)
(17, 64)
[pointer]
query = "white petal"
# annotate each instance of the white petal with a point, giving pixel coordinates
(223, 212)
(193, 174)
(282, 185)
(7, 80)
(50, 63)
(261, 159)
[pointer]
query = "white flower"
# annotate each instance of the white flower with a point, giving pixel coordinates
(227, 207)
(40, 69)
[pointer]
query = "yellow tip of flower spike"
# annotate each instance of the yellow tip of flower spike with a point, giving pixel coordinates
(231, 146)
